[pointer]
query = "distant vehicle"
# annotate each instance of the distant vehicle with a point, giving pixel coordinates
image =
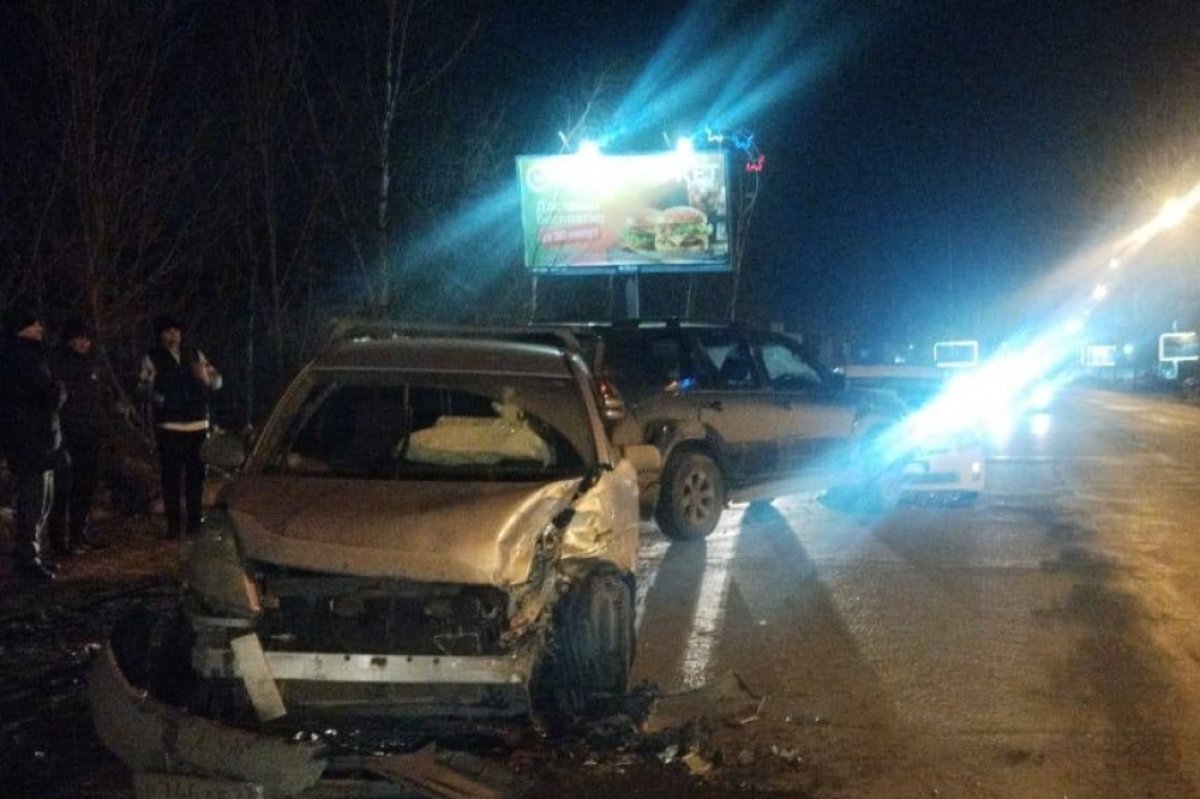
(733, 409)
(430, 525)
(942, 453)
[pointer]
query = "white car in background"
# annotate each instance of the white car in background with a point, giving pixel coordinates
(940, 447)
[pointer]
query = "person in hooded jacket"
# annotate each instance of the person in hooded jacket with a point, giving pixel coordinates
(30, 398)
(179, 382)
(82, 419)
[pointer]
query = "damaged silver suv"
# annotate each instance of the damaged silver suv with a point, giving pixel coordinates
(430, 524)
(737, 413)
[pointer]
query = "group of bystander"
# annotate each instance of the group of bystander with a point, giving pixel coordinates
(52, 424)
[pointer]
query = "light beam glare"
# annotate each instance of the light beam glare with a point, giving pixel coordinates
(745, 75)
(1023, 378)
(768, 47)
(699, 23)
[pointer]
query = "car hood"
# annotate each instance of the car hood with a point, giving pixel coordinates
(452, 532)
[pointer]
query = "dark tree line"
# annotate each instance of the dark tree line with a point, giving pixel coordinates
(259, 168)
(256, 169)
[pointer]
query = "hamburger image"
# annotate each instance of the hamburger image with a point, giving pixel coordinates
(681, 229)
(639, 231)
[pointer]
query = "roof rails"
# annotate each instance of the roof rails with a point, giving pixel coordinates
(670, 322)
(352, 328)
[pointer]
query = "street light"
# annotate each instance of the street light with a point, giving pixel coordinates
(1174, 212)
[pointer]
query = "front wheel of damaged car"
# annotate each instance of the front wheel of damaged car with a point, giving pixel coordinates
(693, 496)
(593, 647)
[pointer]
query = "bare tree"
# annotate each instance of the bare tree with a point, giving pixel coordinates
(281, 192)
(125, 165)
(407, 48)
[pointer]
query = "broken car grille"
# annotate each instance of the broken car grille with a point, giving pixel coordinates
(303, 611)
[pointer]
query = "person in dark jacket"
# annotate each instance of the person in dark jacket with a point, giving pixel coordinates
(179, 382)
(82, 419)
(30, 397)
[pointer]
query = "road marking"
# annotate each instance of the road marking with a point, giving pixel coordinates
(650, 557)
(710, 604)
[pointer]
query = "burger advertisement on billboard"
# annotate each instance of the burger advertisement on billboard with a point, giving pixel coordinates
(666, 212)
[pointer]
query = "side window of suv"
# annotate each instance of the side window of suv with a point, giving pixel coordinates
(647, 362)
(730, 361)
(787, 369)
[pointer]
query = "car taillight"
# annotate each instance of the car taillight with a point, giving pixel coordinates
(611, 402)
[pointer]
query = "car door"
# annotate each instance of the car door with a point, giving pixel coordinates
(732, 396)
(813, 417)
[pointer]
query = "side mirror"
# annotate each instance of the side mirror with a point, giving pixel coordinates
(644, 457)
(224, 451)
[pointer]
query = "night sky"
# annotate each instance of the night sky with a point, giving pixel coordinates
(970, 147)
(933, 158)
(924, 160)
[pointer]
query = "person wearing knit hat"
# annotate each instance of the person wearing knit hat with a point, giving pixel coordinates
(17, 320)
(165, 322)
(82, 428)
(178, 382)
(75, 328)
(30, 398)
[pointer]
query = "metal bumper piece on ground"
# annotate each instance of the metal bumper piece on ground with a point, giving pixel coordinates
(151, 736)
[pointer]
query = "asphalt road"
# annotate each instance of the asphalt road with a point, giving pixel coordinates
(1041, 643)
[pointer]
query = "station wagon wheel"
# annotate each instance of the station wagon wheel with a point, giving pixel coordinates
(693, 496)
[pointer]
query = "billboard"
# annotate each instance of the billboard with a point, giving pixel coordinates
(956, 354)
(1098, 355)
(665, 212)
(1176, 347)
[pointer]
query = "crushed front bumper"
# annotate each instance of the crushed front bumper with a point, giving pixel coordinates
(373, 685)
(175, 754)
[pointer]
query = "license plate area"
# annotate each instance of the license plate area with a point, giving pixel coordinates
(150, 785)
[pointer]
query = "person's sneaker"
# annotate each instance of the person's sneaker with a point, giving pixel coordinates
(33, 570)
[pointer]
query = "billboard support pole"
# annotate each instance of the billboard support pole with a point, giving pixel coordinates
(533, 299)
(626, 299)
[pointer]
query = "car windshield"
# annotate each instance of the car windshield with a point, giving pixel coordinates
(385, 425)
